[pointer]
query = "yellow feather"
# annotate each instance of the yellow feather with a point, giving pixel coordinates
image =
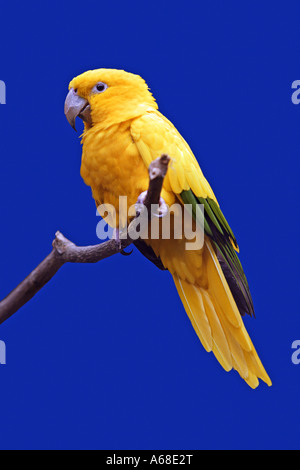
(220, 287)
(252, 380)
(220, 345)
(173, 178)
(238, 357)
(239, 333)
(194, 307)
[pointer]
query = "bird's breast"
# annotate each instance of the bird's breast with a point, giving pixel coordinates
(112, 166)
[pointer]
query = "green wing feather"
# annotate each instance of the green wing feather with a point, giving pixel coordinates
(225, 245)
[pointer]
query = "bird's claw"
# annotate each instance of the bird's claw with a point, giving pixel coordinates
(162, 206)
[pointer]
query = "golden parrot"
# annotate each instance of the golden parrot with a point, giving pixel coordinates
(123, 133)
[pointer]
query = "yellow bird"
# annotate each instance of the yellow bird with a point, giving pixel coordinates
(123, 133)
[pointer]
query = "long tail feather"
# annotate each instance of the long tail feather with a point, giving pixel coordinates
(217, 321)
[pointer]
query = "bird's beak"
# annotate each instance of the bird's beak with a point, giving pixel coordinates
(76, 106)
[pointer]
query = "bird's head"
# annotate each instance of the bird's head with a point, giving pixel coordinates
(107, 95)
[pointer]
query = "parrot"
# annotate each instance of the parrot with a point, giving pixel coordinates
(123, 133)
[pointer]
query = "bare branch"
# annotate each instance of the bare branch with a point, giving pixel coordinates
(64, 251)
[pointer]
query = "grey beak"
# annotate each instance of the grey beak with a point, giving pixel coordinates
(75, 106)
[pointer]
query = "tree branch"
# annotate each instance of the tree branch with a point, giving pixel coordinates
(64, 251)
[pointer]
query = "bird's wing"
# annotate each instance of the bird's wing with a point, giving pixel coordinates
(154, 135)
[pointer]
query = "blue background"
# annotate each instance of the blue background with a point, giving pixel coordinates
(105, 357)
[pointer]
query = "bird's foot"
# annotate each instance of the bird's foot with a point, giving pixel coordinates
(159, 210)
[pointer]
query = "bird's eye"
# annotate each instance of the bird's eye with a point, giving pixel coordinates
(100, 87)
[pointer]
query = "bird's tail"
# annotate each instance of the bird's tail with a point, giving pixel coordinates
(218, 323)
